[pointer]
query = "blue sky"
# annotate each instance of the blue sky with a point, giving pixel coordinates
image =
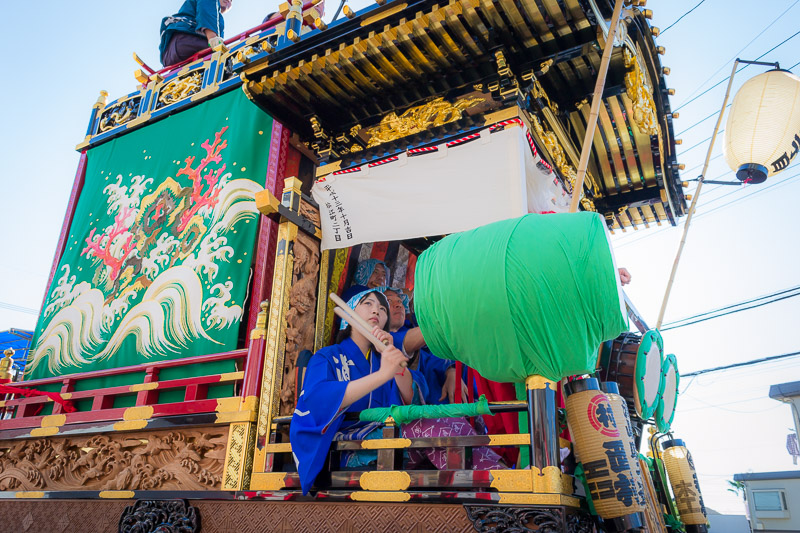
(743, 242)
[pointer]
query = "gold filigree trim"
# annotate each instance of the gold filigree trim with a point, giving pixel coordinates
(380, 496)
(385, 444)
(512, 480)
(392, 480)
(181, 88)
(234, 458)
(420, 118)
(641, 95)
(556, 152)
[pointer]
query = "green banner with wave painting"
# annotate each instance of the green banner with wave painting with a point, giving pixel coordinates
(160, 249)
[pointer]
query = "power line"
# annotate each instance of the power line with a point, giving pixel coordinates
(777, 293)
(682, 16)
(731, 312)
(18, 308)
(757, 36)
(742, 364)
(621, 244)
(741, 69)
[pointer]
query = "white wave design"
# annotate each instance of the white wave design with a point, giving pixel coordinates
(160, 255)
(167, 319)
(212, 250)
(235, 202)
(73, 332)
(122, 196)
(220, 315)
(117, 307)
(65, 291)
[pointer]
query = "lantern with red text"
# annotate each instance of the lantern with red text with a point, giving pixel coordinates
(604, 454)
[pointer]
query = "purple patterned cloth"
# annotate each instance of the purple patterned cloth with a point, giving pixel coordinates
(483, 458)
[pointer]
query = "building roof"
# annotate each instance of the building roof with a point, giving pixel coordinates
(766, 476)
(785, 391)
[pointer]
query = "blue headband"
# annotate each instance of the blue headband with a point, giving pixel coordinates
(355, 300)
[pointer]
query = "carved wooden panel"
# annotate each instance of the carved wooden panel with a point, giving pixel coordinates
(300, 319)
(37, 516)
(343, 517)
(167, 460)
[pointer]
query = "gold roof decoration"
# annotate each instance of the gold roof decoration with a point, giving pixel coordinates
(556, 152)
(432, 114)
(641, 95)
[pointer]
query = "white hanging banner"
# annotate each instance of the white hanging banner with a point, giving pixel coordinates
(437, 191)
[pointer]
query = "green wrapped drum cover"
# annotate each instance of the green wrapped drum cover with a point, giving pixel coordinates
(525, 296)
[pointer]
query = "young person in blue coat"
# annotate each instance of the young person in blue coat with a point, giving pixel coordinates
(196, 26)
(349, 376)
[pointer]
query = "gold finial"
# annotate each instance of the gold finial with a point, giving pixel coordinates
(348, 12)
(140, 76)
(260, 331)
(6, 365)
(655, 30)
(102, 99)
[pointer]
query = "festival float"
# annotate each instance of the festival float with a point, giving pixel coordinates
(483, 151)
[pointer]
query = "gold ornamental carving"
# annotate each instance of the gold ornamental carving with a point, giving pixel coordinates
(180, 88)
(300, 319)
(420, 118)
(556, 152)
(168, 460)
(121, 113)
(641, 95)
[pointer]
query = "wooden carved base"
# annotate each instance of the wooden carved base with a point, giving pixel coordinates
(165, 460)
(160, 516)
(524, 519)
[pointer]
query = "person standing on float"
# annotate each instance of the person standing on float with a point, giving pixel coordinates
(196, 26)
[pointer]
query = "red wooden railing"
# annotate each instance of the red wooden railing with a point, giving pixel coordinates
(24, 412)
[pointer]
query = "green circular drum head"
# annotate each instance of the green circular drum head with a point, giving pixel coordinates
(665, 411)
(647, 374)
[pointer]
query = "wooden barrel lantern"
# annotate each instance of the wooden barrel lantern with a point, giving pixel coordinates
(601, 446)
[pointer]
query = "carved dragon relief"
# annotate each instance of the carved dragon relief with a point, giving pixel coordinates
(419, 118)
(300, 319)
(185, 460)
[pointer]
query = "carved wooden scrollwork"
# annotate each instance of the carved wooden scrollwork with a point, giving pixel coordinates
(185, 460)
(300, 319)
(160, 516)
(520, 519)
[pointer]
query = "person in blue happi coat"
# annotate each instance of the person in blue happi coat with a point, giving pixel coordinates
(349, 376)
(197, 25)
(440, 374)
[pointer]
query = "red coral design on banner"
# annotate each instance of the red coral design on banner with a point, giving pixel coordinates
(200, 199)
(100, 246)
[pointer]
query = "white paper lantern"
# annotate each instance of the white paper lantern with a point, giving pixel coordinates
(762, 136)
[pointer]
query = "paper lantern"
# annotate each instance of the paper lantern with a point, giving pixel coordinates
(601, 448)
(685, 488)
(762, 135)
(620, 409)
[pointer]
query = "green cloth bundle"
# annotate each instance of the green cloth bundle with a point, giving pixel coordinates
(403, 414)
(524, 296)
